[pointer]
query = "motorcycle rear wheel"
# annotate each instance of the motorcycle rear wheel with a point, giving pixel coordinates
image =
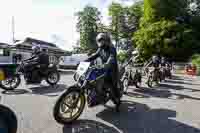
(72, 96)
(53, 78)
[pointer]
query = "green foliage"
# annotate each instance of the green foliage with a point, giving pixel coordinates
(116, 12)
(196, 59)
(167, 38)
(148, 25)
(160, 33)
(196, 62)
(122, 56)
(156, 9)
(133, 15)
(87, 26)
(125, 20)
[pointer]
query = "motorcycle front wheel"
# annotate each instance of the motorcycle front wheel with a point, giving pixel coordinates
(69, 106)
(125, 85)
(10, 83)
(150, 81)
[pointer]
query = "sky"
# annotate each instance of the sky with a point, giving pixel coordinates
(48, 20)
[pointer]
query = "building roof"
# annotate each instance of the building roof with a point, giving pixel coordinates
(4, 45)
(44, 43)
(29, 42)
(32, 41)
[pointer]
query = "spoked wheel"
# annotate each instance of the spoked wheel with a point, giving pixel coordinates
(69, 106)
(125, 85)
(75, 76)
(53, 78)
(10, 83)
(138, 84)
(150, 81)
(138, 80)
(162, 75)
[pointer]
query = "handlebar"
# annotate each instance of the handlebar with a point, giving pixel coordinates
(95, 67)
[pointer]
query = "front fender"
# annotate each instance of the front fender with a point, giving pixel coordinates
(74, 86)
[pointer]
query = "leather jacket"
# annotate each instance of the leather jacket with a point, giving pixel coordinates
(40, 58)
(108, 55)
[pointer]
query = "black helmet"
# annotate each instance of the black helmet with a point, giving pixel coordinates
(36, 49)
(103, 39)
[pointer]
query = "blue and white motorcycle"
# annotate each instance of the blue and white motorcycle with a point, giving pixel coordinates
(71, 103)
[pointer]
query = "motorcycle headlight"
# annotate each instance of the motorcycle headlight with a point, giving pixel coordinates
(82, 77)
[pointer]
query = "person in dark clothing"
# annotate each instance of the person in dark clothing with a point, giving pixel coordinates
(38, 57)
(155, 61)
(44, 59)
(163, 62)
(108, 54)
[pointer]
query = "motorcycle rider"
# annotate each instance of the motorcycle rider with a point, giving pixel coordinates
(108, 55)
(163, 62)
(155, 61)
(38, 58)
(135, 55)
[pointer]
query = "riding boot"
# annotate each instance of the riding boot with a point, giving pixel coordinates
(116, 98)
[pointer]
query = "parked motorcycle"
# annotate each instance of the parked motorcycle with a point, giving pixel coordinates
(8, 120)
(51, 75)
(71, 103)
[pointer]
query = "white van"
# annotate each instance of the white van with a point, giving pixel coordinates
(72, 61)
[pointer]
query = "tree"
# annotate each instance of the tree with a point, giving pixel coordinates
(133, 15)
(167, 38)
(194, 7)
(125, 21)
(117, 15)
(165, 29)
(87, 26)
(194, 14)
(154, 10)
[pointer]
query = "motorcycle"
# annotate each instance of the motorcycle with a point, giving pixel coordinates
(131, 77)
(8, 120)
(168, 72)
(74, 98)
(8, 78)
(162, 74)
(51, 75)
(153, 77)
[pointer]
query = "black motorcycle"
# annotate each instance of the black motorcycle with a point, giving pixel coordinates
(168, 72)
(51, 75)
(162, 73)
(154, 76)
(131, 77)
